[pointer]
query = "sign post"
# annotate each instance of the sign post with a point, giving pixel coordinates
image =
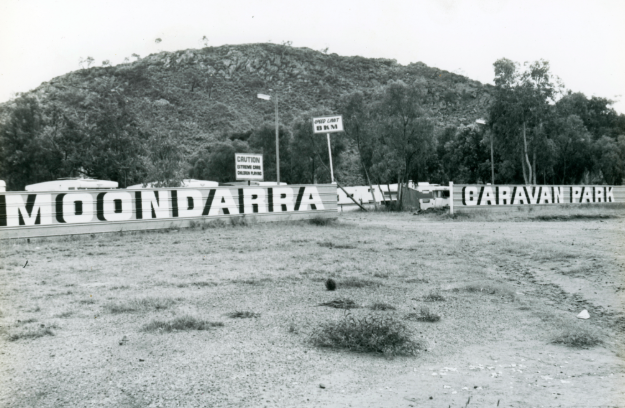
(248, 166)
(328, 124)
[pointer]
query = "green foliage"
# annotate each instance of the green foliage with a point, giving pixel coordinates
(165, 164)
(406, 133)
(167, 114)
(216, 162)
(521, 109)
(25, 157)
(309, 160)
(263, 140)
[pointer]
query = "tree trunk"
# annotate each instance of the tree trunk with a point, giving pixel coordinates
(399, 187)
(527, 159)
(523, 167)
(375, 203)
(534, 165)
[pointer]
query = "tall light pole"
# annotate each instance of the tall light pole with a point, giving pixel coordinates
(267, 98)
(482, 124)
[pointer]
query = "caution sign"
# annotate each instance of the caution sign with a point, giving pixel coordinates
(248, 166)
(328, 124)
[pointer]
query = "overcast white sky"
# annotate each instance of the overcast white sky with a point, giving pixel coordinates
(583, 40)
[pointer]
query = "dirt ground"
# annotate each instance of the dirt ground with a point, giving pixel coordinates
(491, 347)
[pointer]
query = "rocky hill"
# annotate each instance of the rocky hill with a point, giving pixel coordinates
(205, 93)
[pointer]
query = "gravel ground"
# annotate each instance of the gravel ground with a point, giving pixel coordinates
(492, 347)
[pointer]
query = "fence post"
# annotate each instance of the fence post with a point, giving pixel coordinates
(451, 197)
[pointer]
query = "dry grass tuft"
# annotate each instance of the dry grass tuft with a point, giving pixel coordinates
(424, 315)
(253, 282)
(490, 289)
(575, 336)
(139, 305)
(573, 217)
(322, 222)
(382, 306)
(181, 323)
(32, 332)
(434, 296)
(417, 280)
(243, 315)
(369, 334)
(341, 303)
(332, 245)
(355, 282)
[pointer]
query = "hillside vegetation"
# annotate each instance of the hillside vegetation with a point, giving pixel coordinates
(182, 114)
(205, 93)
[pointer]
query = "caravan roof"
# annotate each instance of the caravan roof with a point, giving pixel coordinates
(64, 184)
(193, 183)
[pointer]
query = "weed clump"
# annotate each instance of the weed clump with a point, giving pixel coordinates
(330, 284)
(355, 282)
(434, 296)
(424, 315)
(491, 289)
(322, 222)
(369, 334)
(572, 217)
(182, 323)
(31, 332)
(382, 306)
(332, 245)
(577, 337)
(139, 305)
(243, 315)
(341, 304)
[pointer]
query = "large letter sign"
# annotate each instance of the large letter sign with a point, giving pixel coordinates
(485, 196)
(135, 209)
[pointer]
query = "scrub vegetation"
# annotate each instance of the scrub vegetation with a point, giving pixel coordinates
(372, 333)
(180, 323)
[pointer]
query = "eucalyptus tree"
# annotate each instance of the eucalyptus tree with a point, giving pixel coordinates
(405, 131)
(357, 123)
(523, 102)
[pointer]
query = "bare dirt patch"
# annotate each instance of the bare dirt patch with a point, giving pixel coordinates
(491, 305)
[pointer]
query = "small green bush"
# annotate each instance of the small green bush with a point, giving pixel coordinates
(373, 333)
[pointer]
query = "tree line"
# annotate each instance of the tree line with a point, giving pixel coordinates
(535, 132)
